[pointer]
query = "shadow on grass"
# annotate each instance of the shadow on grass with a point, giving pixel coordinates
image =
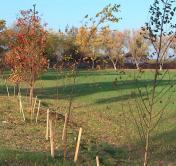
(108, 154)
(162, 153)
(10, 157)
(85, 89)
(118, 98)
(164, 146)
(162, 149)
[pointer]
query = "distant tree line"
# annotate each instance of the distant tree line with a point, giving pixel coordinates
(105, 48)
(93, 47)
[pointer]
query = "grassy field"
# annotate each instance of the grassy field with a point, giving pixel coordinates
(101, 106)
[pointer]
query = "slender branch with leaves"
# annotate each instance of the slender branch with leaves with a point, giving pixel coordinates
(151, 108)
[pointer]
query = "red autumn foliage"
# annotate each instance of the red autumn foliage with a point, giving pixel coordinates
(26, 49)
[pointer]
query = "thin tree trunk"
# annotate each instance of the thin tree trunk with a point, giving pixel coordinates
(31, 93)
(161, 66)
(93, 64)
(114, 65)
(116, 62)
(93, 58)
(162, 63)
(137, 64)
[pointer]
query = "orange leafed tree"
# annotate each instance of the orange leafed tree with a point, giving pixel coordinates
(88, 39)
(88, 42)
(82, 39)
(26, 50)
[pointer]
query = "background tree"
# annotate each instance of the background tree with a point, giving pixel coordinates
(89, 46)
(138, 47)
(82, 40)
(71, 51)
(167, 52)
(26, 50)
(54, 46)
(173, 47)
(112, 43)
(61, 46)
(93, 45)
(91, 41)
(162, 22)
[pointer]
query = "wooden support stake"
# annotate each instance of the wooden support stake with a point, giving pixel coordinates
(38, 110)
(64, 136)
(19, 101)
(97, 161)
(47, 125)
(33, 109)
(77, 146)
(21, 108)
(52, 144)
(65, 125)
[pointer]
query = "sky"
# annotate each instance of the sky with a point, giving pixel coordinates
(59, 13)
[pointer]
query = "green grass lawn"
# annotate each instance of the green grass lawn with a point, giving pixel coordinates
(101, 106)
